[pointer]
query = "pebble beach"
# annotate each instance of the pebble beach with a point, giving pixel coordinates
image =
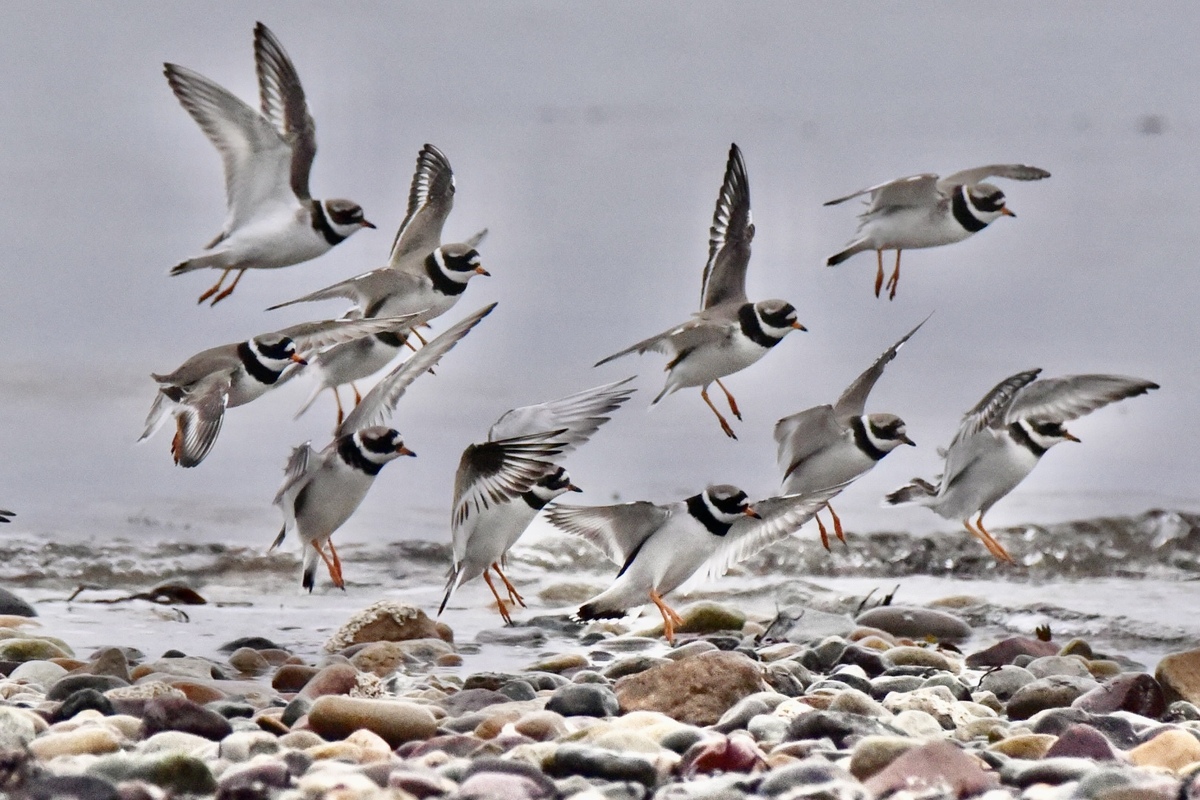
(838, 697)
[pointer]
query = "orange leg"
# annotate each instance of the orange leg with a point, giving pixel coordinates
(878, 271)
(823, 532)
(837, 525)
(994, 547)
(338, 399)
(216, 287)
(732, 403)
(334, 573)
(724, 425)
(499, 603)
(670, 618)
(357, 396)
(417, 333)
(337, 565)
(513, 594)
(228, 291)
(895, 279)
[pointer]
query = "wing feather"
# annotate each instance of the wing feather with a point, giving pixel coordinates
(578, 415)
(729, 237)
(310, 337)
(616, 530)
(853, 401)
(801, 435)
(496, 472)
(994, 405)
(198, 418)
(1016, 172)
(430, 199)
(381, 401)
(284, 105)
(256, 160)
(914, 190)
(1072, 396)
(363, 290)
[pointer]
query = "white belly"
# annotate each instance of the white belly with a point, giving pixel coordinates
(840, 462)
(705, 365)
(275, 241)
(327, 501)
(986, 480)
(911, 229)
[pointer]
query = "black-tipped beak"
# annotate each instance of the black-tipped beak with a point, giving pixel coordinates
(750, 512)
(482, 271)
(1005, 212)
(404, 451)
(367, 224)
(573, 488)
(799, 327)
(907, 441)
(296, 357)
(1070, 437)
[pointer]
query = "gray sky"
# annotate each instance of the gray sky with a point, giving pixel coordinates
(591, 139)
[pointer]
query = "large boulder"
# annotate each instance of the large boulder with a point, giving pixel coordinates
(696, 690)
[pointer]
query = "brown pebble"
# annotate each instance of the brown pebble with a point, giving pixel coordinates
(69, 664)
(541, 726)
(334, 679)
(271, 722)
(276, 656)
(198, 693)
(292, 677)
(449, 660)
(248, 661)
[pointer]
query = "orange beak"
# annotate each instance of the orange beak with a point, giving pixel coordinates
(1070, 437)
(1005, 212)
(404, 451)
(573, 488)
(482, 271)
(750, 512)
(799, 327)
(908, 441)
(367, 224)
(296, 357)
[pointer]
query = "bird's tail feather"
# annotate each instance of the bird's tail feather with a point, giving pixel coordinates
(215, 260)
(852, 249)
(308, 578)
(918, 491)
(451, 585)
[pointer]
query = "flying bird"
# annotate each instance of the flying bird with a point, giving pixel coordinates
(272, 220)
(1002, 439)
(928, 211)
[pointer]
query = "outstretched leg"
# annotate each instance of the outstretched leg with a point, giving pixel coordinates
(334, 573)
(823, 532)
(487, 578)
(229, 291)
(895, 279)
(337, 565)
(724, 425)
(338, 399)
(357, 396)
(513, 594)
(670, 618)
(728, 397)
(216, 287)
(878, 271)
(994, 547)
(421, 338)
(837, 524)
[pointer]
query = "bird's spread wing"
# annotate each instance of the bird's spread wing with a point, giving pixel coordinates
(915, 190)
(256, 160)
(284, 106)
(578, 415)
(1016, 172)
(779, 517)
(364, 290)
(729, 237)
(430, 198)
(616, 530)
(295, 471)
(994, 405)
(476, 239)
(381, 401)
(804, 433)
(1072, 396)
(313, 336)
(198, 420)
(701, 329)
(496, 472)
(853, 401)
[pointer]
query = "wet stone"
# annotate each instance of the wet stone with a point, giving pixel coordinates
(248, 661)
(1005, 681)
(526, 637)
(292, 678)
(1051, 771)
(594, 762)
(1048, 666)
(631, 665)
(82, 700)
(938, 765)
(1044, 693)
(839, 727)
(583, 700)
(807, 774)
(1179, 676)
(957, 689)
(696, 690)
(881, 686)
(1135, 692)
(518, 690)
(11, 604)
(110, 661)
(916, 622)
(70, 787)
(872, 662)
(1009, 650)
(469, 700)
(175, 714)
(1082, 741)
(1118, 731)
(69, 684)
(252, 642)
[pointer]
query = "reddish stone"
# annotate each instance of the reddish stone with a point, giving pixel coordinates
(1005, 652)
(1082, 741)
(293, 677)
(939, 766)
(1136, 692)
(696, 690)
(334, 679)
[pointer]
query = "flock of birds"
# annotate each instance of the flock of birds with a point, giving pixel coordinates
(506, 480)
